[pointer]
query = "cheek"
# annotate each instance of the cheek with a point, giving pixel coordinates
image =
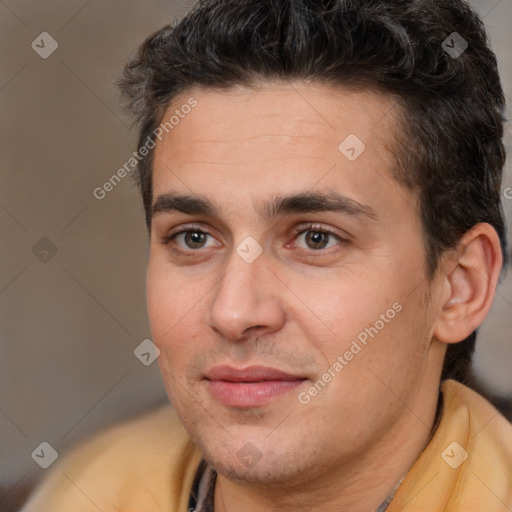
(159, 302)
(345, 305)
(378, 313)
(170, 305)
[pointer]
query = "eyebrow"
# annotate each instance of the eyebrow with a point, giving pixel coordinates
(275, 206)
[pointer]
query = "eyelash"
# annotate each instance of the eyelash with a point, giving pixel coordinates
(296, 231)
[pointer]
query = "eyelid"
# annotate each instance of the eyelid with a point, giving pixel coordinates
(314, 226)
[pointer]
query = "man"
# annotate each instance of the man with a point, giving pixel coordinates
(321, 182)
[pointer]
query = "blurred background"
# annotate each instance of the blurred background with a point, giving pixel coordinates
(72, 267)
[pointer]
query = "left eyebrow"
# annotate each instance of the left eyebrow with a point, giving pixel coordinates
(277, 205)
(316, 202)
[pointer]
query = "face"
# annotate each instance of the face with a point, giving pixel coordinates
(286, 280)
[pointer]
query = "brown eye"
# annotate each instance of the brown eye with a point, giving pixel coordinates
(190, 240)
(195, 239)
(317, 239)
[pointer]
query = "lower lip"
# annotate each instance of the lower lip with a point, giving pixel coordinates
(250, 394)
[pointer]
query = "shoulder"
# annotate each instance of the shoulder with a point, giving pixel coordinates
(467, 464)
(484, 421)
(146, 463)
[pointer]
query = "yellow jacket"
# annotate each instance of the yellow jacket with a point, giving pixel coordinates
(148, 465)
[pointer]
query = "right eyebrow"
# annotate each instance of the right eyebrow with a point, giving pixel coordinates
(189, 205)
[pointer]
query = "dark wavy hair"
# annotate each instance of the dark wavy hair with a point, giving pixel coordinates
(451, 107)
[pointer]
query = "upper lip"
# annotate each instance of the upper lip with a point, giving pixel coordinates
(249, 374)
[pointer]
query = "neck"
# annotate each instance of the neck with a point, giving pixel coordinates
(360, 484)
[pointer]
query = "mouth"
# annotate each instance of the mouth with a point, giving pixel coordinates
(253, 386)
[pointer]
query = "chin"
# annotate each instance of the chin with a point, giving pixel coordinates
(248, 465)
(270, 474)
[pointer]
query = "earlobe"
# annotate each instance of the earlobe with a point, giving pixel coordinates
(470, 284)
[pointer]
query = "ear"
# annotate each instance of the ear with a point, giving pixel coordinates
(470, 279)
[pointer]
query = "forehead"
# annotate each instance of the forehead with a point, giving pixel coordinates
(277, 137)
(294, 109)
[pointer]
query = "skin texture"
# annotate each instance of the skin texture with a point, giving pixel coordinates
(296, 307)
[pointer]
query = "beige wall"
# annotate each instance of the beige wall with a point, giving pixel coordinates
(69, 325)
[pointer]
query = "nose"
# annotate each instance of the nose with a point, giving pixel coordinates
(246, 302)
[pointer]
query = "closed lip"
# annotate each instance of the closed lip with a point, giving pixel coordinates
(249, 374)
